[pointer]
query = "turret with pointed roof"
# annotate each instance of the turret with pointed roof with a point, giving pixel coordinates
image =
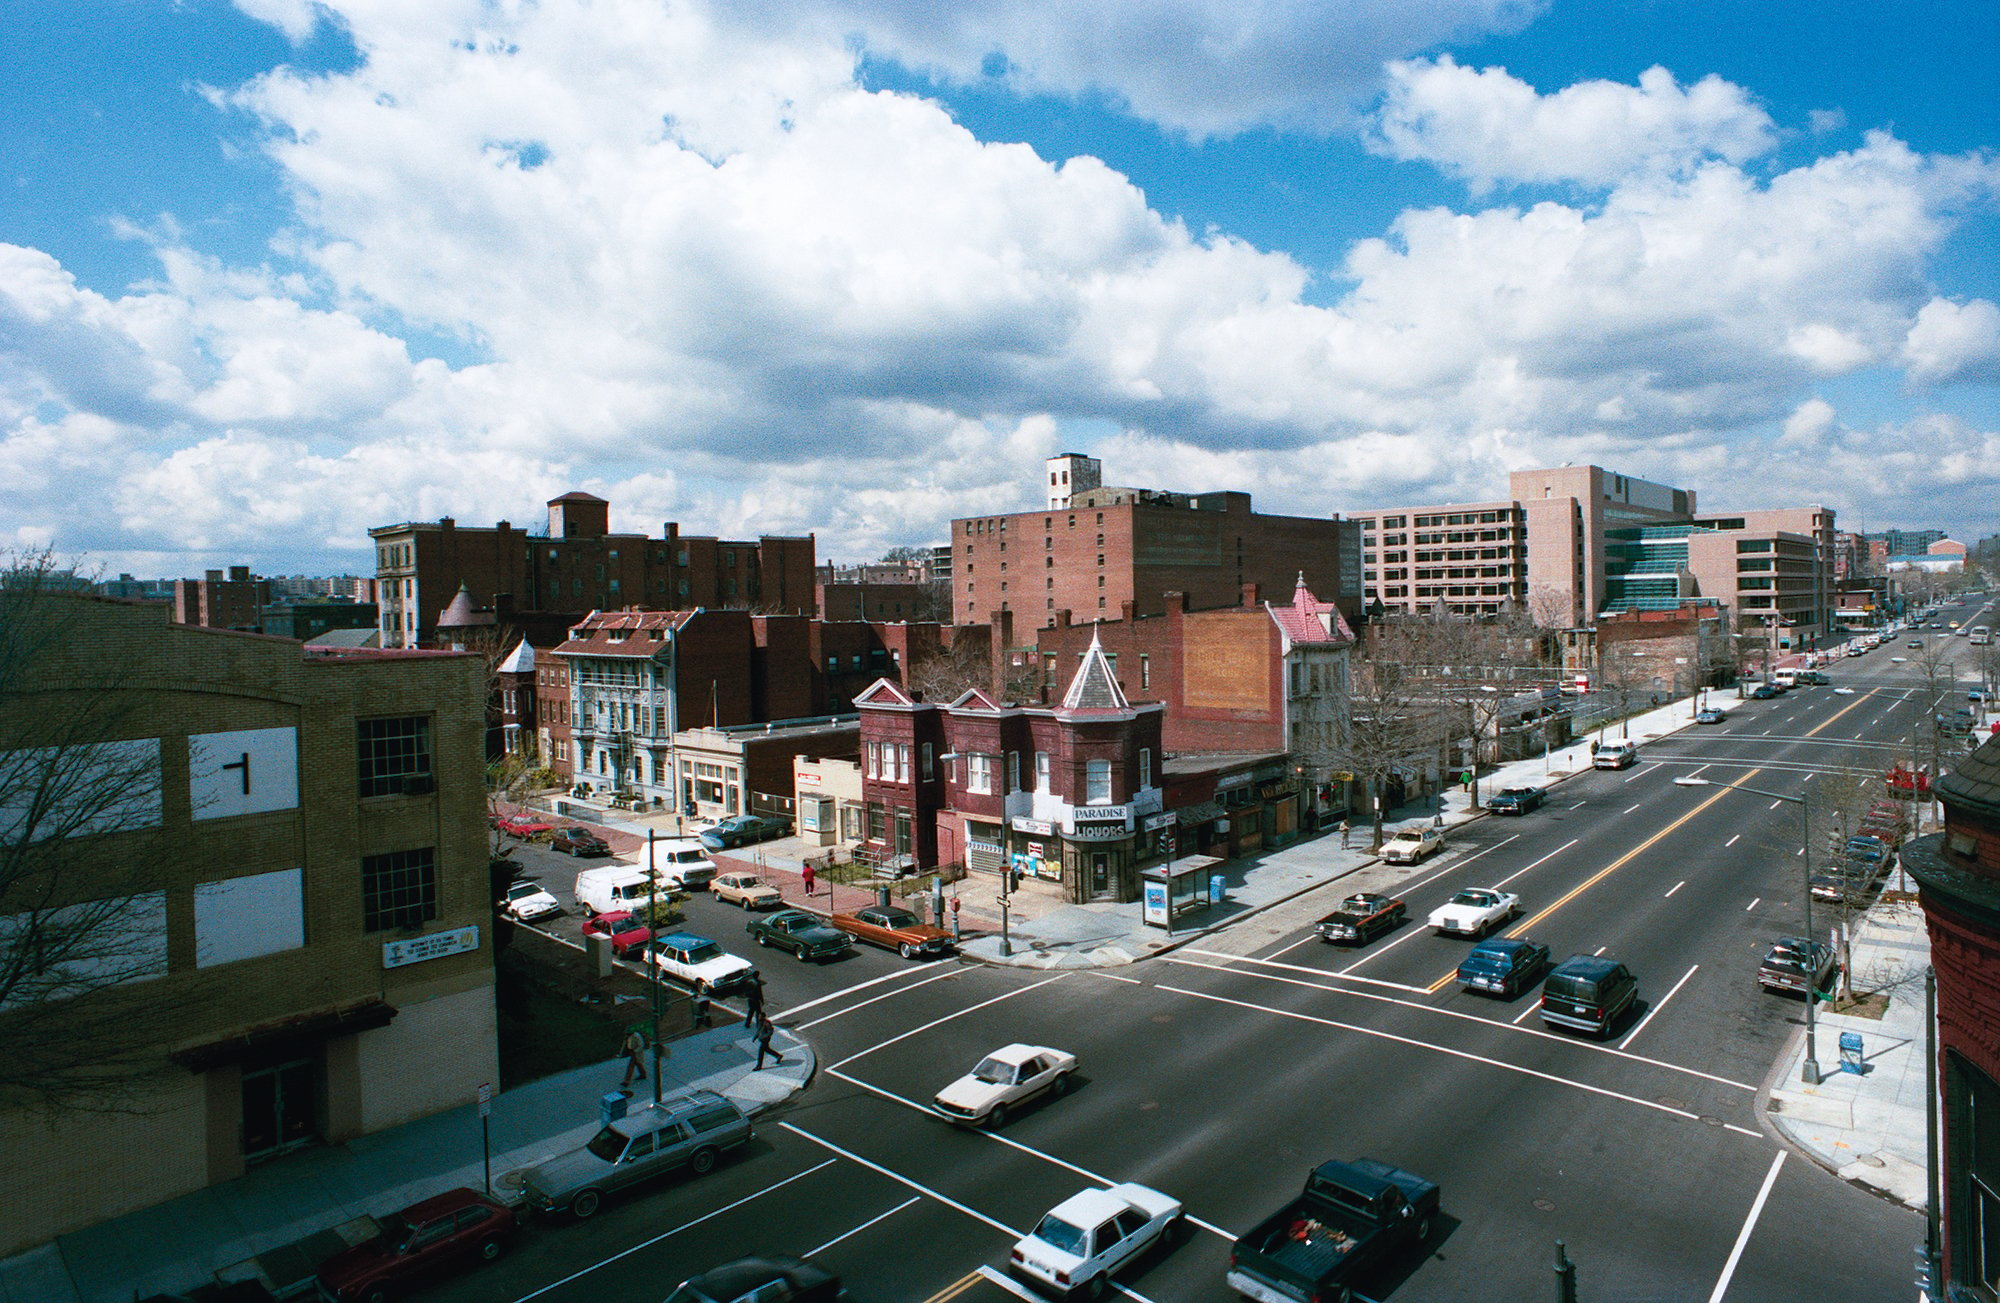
(1095, 686)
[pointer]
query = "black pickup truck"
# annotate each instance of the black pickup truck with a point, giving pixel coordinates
(1350, 1216)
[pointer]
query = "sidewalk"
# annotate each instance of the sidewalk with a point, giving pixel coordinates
(293, 1212)
(1868, 1127)
(1101, 935)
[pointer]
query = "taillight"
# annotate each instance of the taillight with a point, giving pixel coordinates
(1017, 1256)
(1062, 1278)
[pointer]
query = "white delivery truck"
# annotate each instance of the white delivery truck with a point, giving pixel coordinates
(614, 887)
(679, 861)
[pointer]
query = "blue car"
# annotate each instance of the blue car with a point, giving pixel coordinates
(1709, 715)
(1503, 966)
(744, 830)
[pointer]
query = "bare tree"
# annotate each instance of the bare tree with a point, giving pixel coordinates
(1391, 729)
(81, 931)
(1550, 607)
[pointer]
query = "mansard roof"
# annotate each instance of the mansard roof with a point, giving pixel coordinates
(1095, 687)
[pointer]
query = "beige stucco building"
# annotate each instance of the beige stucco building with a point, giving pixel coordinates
(303, 912)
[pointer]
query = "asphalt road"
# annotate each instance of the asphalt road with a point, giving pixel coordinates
(1221, 1073)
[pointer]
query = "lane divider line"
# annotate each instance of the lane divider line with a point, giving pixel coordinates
(1626, 1043)
(1749, 1225)
(647, 1244)
(842, 1013)
(1467, 1055)
(1441, 1011)
(1676, 887)
(935, 1022)
(915, 1198)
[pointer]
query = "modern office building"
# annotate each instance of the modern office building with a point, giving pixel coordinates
(1572, 543)
(1105, 547)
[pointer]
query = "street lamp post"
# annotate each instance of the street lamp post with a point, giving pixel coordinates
(1808, 1072)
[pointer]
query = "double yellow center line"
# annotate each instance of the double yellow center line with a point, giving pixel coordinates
(1522, 928)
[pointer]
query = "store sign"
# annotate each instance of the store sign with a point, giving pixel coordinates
(438, 945)
(1154, 822)
(1092, 831)
(1040, 827)
(1233, 781)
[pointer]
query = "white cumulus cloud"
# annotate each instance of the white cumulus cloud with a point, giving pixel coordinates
(1954, 341)
(1488, 126)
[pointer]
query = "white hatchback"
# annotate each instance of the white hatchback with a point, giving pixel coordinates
(1082, 1240)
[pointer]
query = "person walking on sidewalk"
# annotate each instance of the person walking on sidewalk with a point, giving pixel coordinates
(1343, 834)
(764, 1031)
(634, 1050)
(755, 1001)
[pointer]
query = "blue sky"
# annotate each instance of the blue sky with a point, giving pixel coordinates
(274, 272)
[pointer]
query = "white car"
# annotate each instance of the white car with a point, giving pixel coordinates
(1475, 911)
(699, 962)
(1010, 1076)
(1409, 845)
(1843, 692)
(527, 901)
(1082, 1240)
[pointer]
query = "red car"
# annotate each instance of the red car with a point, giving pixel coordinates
(523, 826)
(425, 1242)
(622, 926)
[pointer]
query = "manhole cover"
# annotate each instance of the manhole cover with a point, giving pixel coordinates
(1163, 1017)
(1708, 1121)
(1546, 1205)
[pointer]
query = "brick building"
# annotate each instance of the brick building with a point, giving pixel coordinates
(1253, 678)
(749, 768)
(1064, 790)
(577, 566)
(217, 601)
(1109, 546)
(1958, 873)
(296, 867)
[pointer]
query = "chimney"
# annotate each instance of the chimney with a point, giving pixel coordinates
(446, 522)
(1253, 595)
(1062, 618)
(1125, 609)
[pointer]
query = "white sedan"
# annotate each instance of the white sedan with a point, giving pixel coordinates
(1007, 1078)
(1475, 911)
(1082, 1240)
(1843, 692)
(526, 901)
(1411, 844)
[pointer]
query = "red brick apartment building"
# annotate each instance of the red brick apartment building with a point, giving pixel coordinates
(945, 784)
(1104, 547)
(578, 566)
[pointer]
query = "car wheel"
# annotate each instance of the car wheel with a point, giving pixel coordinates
(492, 1249)
(702, 1161)
(997, 1117)
(1060, 1086)
(1179, 1231)
(1424, 1229)
(376, 1295)
(586, 1204)
(763, 940)
(1094, 1288)
(907, 950)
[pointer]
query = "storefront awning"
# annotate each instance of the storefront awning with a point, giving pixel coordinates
(299, 1035)
(1201, 812)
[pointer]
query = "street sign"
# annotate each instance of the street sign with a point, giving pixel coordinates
(485, 1099)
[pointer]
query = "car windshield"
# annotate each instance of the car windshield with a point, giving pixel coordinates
(1479, 898)
(1059, 1234)
(688, 1294)
(704, 952)
(521, 889)
(607, 1145)
(394, 1229)
(1484, 961)
(897, 918)
(994, 1072)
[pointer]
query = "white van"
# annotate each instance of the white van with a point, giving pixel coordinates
(617, 886)
(1788, 676)
(680, 862)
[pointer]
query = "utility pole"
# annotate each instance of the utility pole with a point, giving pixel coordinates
(653, 968)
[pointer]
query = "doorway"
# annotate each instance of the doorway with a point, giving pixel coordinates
(280, 1107)
(1100, 873)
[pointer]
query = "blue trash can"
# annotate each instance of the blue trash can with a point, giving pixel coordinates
(612, 1107)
